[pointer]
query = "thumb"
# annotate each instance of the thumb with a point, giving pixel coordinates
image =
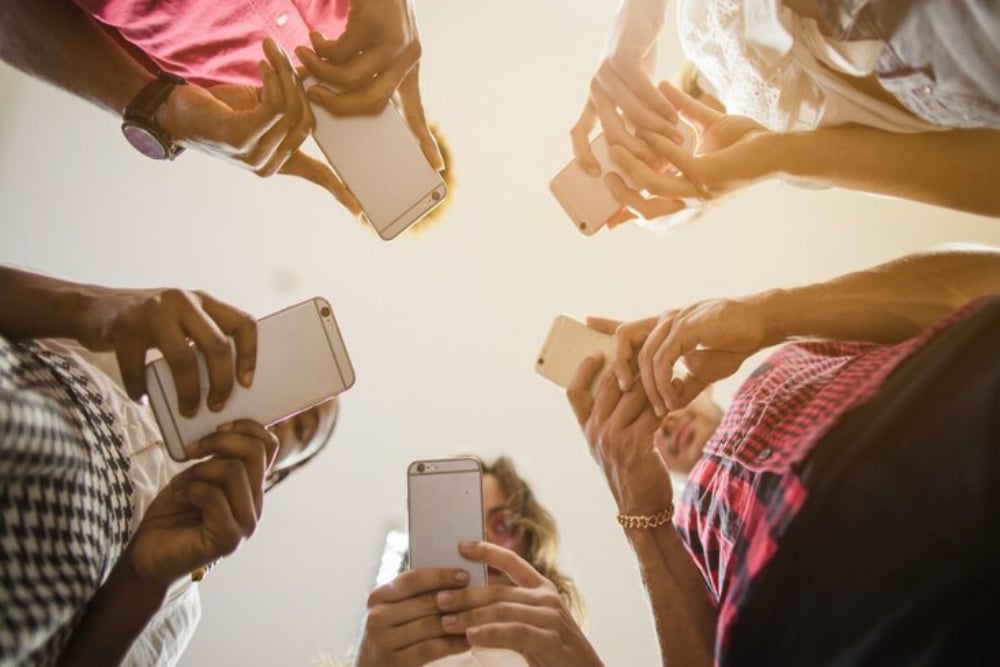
(700, 115)
(413, 113)
(311, 169)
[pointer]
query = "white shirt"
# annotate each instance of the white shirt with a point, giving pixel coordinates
(481, 657)
(770, 64)
(167, 634)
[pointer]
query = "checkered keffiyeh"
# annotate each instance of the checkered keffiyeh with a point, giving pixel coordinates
(65, 500)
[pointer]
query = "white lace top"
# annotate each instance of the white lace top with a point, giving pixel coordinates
(767, 62)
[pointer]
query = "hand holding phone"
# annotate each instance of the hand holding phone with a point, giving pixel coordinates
(587, 199)
(301, 361)
(570, 342)
(382, 164)
(445, 503)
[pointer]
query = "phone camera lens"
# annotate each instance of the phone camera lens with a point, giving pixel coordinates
(541, 361)
(421, 467)
(324, 311)
(436, 196)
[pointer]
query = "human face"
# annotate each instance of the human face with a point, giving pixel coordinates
(301, 435)
(499, 521)
(684, 433)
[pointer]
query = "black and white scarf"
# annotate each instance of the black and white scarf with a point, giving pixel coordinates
(65, 499)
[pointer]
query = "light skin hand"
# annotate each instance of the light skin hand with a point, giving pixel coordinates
(713, 337)
(728, 157)
(377, 56)
(621, 92)
(132, 321)
(528, 617)
(208, 509)
(619, 428)
(403, 624)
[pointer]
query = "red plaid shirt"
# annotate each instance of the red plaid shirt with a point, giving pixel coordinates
(745, 490)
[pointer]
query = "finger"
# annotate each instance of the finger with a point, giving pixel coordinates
(620, 218)
(649, 208)
(241, 327)
(614, 128)
(642, 104)
(531, 615)
(647, 368)
(293, 137)
(606, 397)
(580, 136)
(664, 185)
(230, 476)
(413, 112)
(215, 349)
(628, 338)
(223, 531)
(603, 324)
(578, 389)
(505, 560)
(131, 355)
(250, 443)
(311, 169)
(170, 339)
(682, 159)
(355, 38)
(698, 114)
(415, 582)
(355, 72)
(710, 366)
(632, 406)
(679, 340)
(648, 94)
(372, 98)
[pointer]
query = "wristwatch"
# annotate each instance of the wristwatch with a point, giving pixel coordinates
(139, 119)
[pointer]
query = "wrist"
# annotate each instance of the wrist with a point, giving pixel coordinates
(169, 116)
(144, 595)
(777, 309)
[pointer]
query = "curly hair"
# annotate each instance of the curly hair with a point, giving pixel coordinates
(540, 533)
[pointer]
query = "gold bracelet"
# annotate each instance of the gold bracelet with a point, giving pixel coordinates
(646, 521)
(200, 573)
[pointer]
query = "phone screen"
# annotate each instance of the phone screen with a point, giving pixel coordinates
(445, 499)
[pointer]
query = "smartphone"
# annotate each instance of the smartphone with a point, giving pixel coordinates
(570, 342)
(380, 161)
(587, 199)
(445, 503)
(301, 361)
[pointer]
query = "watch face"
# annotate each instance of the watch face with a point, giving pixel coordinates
(145, 141)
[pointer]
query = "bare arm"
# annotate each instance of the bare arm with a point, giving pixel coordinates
(884, 304)
(54, 40)
(955, 169)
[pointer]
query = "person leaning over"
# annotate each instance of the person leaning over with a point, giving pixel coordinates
(844, 511)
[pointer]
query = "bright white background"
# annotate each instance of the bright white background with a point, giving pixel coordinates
(442, 328)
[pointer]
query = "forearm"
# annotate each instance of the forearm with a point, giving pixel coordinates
(884, 304)
(956, 169)
(36, 306)
(684, 615)
(114, 618)
(54, 40)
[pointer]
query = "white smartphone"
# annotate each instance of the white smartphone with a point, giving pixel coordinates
(570, 342)
(301, 361)
(445, 503)
(380, 161)
(587, 199)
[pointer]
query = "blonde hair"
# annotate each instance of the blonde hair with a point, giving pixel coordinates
(541, 537)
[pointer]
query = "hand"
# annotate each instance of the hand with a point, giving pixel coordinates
(378, 55)
(621, 92)
(713, 337)
(403, 626)
(257, 128)
(732, 152)
(529, 617)
(131, 321)
(208, 509)
(619, 427)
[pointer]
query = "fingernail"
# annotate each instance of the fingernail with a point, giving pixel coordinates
(472, 633)
(449, 620)
(445, 599)
(467, 545)
(228, 426)
(246, 378)
(215, 405)
(299, 50)
(658, 410)
(461, 576)
(594, 171)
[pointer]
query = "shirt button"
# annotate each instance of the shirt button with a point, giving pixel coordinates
(282, 19)
(926, 88)
(764, 454)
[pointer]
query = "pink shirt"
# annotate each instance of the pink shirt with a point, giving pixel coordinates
(217, 41)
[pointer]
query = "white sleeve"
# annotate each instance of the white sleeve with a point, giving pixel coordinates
(168, 633)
